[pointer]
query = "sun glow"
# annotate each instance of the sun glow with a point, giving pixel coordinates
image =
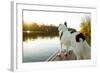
(28, 31)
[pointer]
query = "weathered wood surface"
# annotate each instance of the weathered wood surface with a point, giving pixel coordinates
(62, 57)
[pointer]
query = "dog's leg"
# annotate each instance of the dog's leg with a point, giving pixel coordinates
(66, 51)
(78, 57)
(60, 50)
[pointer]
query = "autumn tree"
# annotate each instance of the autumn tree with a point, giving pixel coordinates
(86, 29)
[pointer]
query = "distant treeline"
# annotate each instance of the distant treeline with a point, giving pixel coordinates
(41, 28)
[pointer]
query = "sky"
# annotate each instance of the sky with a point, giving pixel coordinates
(73, 19)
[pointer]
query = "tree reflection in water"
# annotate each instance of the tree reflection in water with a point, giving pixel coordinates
(29, 35)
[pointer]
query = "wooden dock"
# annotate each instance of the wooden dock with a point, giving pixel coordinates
(68, 56)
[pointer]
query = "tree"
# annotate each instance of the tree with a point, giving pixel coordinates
(86, 29)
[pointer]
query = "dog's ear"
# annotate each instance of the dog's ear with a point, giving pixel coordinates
(65, 23)
(59, 27)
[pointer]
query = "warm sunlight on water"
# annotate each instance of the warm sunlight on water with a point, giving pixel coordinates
(28, 31)
(40, 49)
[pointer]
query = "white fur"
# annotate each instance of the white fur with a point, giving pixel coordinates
(81, 49)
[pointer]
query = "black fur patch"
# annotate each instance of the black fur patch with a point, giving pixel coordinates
(78, 36)
(72, 32)
(65, 23)
(61, 35)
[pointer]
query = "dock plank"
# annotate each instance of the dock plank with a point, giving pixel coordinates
(68, 56)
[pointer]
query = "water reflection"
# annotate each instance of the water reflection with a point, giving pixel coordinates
(35, 35)
(37, 48)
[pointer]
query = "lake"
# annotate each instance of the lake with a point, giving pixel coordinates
(39, 49)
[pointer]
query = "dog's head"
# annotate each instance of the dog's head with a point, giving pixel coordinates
(62, 27)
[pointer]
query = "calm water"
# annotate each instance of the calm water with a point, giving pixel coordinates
(39, 49)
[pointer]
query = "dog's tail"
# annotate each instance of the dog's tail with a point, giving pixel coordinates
(86, 45)
(87, 49)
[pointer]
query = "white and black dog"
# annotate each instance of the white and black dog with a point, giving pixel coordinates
(75, 41)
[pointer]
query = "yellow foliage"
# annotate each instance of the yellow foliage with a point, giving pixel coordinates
(86, 29)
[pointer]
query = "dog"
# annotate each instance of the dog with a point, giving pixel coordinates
(75, 41)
